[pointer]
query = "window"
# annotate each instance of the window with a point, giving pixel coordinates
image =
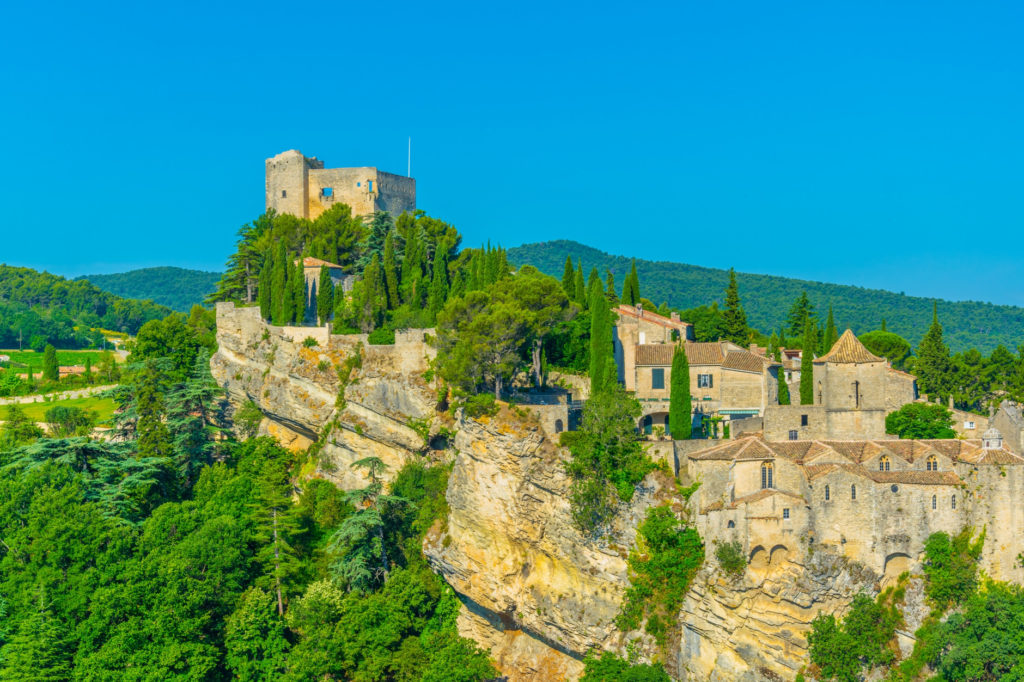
(643, 338)
(648, 425)
(953, 499)
(657, 378)
(284, 194)
(785, 513)
(731, 524)
(327, 192)
(794, 435)
(803, 420)
(853, 492)
(883, 464)
(766, 476)
(968, 425)
(935, 501)
(704, 381)
(932, 464)
(558, 426)
(827, 493)
(369, 185)
(359, 184)
(666, 422)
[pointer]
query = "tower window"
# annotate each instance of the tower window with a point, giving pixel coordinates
(284, 194)
(785, 513)
(932, 464)
(827, 493)
(657, 378)
(935, 501)
(803, 420)
(853, 492)
(883, 464)
(369, 185)
(327, 192)
(766, 476)
(731, 524)
(953, 499)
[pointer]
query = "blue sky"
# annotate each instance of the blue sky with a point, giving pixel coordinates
(868, 143)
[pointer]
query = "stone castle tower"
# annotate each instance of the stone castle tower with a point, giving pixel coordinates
(301, 186)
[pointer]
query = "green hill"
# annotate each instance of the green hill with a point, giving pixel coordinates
(176, 288)
(37, 308)
(767, 298)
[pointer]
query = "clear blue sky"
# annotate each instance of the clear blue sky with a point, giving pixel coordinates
(870, 143)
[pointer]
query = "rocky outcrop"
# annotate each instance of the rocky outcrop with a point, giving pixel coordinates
(535, 591)
(386, 410)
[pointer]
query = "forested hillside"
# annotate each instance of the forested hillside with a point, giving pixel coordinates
(45, 308)
(767, 299)
(176, 288)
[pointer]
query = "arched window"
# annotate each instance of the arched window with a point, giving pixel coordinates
(954, 501)
(827, 493)
(932, 464)
(766, 475)
(731, 524)
(558, 426)
(648, 423)
(883, 464)
(935, 501)
(853, 492)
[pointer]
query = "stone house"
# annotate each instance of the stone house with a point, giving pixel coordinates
(311, 273)
(1009, 421)
(725, 380)
(875, 502)
(636, 327)
(854, 390)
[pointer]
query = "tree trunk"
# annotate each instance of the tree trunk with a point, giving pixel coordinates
(497, 387)
(248, 284)
(277, 568)
(537, 379)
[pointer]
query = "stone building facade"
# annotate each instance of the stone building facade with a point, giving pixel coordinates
(875, 502)
(1009, 421)
(636, 327)
(301, 186)
(311, 273)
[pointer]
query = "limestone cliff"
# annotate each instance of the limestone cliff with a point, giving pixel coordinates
(387, 406)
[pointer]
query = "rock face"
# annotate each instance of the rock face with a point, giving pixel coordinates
(536, 592)
(387, 408)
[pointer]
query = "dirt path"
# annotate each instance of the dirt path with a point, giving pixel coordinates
(63, 395)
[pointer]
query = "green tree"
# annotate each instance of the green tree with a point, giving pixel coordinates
(298, 288)
(65, 422)
(39, 649)
(18, 429)
(831, 334)
(153, 437)
(802, 310)
(280, 302)
(784, 398)
(609, 288)
(569, 279)
(680, 420)
(807, 366)
(951, 565)
(391, 272)
(885, 344)
(610, 668)
(264, 293)
(255, 643)
(51, 370)
(602, 361)
(631, 287)
(579, 286)
(933, 362)
(439, 285)
(324, 296)
(920, 420)
(735, 318)
(88, 369)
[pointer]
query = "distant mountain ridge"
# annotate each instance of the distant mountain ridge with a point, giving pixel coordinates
(767, 298)
(176, 288)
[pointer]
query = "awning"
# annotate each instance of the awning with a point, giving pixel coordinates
(741, 413)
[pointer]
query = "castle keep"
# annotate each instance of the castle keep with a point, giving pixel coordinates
(301, 186)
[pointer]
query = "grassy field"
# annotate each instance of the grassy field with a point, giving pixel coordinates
(104, 407)
(64, 357)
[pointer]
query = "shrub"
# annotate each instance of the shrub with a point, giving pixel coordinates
(482, 404)
(309, 342)
(611, 668)
(70, 421)
(951, 566)
(841, 649)
(731, 557)
(381, 337)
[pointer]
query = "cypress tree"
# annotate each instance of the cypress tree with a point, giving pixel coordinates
(375, 297)
(569, 279)
(680, 420)
(412, 268)
(933, 361)
(278, 286)
(634, 284)
(600, 342)
(798, 314)
(324, 296)
(609, 289)
(288, 293)
(593, 280)
(831, 334)
(807, 366)
(735, 317)
(51, 370)
(299, 292)
(883, 325)
(391, 271)
(783, 387)
(439, 284)
(263, 295)
(579, 289)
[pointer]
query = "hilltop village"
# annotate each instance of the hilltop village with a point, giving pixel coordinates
(781, 481)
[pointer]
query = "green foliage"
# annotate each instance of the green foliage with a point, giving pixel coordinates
(932, 365)
(920, 420)
(784, 398)
(951, 567)
(17, 429)
(735, 317)
(680, 419)
(731, 557)
(255, 638)
(324, 296)
(480, 405)
(969, 323)
(610, 668)
(177, 288)
(841, 649)
(885, 344)
(310, 342)
(51, 370)
(602, 359)
(984, 641)
(662, 566)
(807, 366)
(248, 418)
(607, 460)
(65, 422)
(381, 337)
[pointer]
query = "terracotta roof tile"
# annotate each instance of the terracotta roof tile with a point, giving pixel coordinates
(653, 318)
(916, 477)
(849, 349)
(310, 262)
(744, 361)
(704, 353)
(659, 354)
(763, 494)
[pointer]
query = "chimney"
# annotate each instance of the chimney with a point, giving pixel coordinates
(640, 309)
(675, 317)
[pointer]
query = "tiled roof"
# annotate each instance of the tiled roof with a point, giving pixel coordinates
(744, 361)
(849, 349)
(310, 262)
(916, 477)
(704, 353)
(762, 494)
(653, 318)
(655, 353)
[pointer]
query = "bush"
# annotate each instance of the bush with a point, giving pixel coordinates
(482, 404)
(611, 668)
(951, 565)
(731, 557)
(841, 649)
(70, 421)
(920, 420)
(309, 342)
(381, 337)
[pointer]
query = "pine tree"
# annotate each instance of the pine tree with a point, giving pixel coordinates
(831, 333)
(783, 387)
(579, 286)
(280, 302)
(680, 419)
(798, 314)
(377, 232)
(569, 279)
(265, 284)
(38, 651)
(807, 366)
(51, 370)
(153, 438)
(439, 285)
(933, 361)
(735, 317)
(391, 271)
(602, 361)
(299, 292)
(324, 296)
